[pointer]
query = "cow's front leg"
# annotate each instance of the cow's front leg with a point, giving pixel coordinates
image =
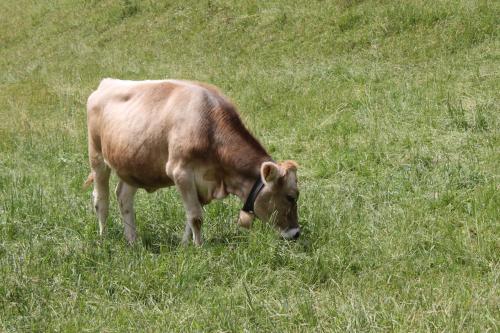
(125, 195)
(184, 180)
(188, 234)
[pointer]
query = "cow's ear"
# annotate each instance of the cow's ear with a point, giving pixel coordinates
(270, 172)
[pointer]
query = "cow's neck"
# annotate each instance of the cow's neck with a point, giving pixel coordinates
(240, 182)
(240, 186)
(241, 157)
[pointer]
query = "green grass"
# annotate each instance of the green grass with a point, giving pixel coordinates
(391, 109)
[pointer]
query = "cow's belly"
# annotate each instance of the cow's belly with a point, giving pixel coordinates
(140, 164)
(148, 182)
(135, 173)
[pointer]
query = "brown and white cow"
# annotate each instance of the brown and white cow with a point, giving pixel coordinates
(161, 133)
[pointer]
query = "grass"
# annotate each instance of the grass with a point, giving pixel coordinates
(391, 109)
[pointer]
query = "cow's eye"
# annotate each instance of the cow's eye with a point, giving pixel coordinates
(291, 199)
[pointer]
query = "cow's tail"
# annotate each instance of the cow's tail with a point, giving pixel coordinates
(89, 181)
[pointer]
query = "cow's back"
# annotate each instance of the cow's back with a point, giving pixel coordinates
(136, 125)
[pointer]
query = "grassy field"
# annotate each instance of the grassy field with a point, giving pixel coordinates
(391, 109)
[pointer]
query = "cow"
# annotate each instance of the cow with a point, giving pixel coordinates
(187, 134)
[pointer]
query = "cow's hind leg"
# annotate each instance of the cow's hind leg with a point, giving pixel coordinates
(184, 180)
(101, 194)
(125, 195)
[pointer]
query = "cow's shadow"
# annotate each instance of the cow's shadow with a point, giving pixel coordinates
(159, 242)
(156, 241)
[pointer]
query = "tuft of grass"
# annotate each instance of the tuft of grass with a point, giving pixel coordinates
(391, 109)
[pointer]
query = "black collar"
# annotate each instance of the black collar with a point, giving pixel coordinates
(257, 187)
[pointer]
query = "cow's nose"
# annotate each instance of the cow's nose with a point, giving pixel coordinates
(292, 233)
(297, 234)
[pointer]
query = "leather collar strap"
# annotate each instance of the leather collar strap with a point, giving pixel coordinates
(257, 187)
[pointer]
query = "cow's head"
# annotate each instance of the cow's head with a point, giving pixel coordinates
(277, 201)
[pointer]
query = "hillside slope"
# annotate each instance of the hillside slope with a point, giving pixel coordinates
(391, 109)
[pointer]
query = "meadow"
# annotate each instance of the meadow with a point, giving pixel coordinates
(391, 109)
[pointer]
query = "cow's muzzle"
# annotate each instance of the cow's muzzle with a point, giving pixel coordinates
(292, 233)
